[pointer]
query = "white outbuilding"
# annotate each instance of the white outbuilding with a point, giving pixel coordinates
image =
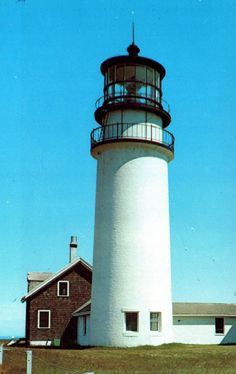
(204, 323)
(193, 323)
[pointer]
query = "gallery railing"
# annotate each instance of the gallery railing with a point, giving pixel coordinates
(144, 132)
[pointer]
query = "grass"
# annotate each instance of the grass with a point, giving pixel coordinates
(166, 359)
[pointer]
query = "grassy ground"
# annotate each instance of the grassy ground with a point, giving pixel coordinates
(166, 359)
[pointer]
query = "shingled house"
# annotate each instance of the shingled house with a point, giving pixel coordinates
(52, 299)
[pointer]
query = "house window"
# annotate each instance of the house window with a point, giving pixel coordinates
(131, 321)
(155, 321)
(219, 326)
(44, 319)
(63, 288)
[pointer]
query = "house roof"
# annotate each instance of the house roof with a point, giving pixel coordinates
(38, 277)
(55, 276)
(83, 309)
(184, 309)
(204, 309)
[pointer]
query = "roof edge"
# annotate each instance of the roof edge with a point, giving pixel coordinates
(204, 315)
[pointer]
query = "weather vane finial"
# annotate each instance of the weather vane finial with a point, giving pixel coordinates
(132, 26)
(132, 48)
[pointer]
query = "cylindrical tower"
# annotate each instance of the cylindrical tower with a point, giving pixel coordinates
(131, 289)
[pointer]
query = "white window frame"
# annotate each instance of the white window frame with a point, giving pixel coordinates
(158, 321)
(49, 318)
(68, 288)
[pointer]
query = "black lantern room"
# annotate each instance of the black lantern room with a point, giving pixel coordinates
(131, 81)
(131, 108)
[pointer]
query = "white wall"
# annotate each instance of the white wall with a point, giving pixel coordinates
(201, 330)
(131, 116)
(131, 245)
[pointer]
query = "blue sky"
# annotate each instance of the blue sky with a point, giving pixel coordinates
(50, 54)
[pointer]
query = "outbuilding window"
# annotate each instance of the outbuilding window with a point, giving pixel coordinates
(44, 319)
(63, 288)
(131, 321)
(155, 321)
(219, 326)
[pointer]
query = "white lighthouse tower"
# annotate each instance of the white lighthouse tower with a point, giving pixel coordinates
(131, 290)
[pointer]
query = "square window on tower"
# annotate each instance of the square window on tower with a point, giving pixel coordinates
(155, 321)
(131, 321)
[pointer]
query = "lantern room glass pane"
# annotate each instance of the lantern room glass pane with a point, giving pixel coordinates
(130, 88)
(141, 73)
(111, 74)
(119, 72)
(157, 79)
(158, 96)
(150, 75)
(129, 72)
(119, 89)
(110, 91)
(149, 91)
(141, 89)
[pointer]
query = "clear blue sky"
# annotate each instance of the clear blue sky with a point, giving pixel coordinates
(50, 54)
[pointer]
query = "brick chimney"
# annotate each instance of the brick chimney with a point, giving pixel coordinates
(73, 248)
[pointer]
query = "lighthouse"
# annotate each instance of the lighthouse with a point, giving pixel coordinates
(131, 289)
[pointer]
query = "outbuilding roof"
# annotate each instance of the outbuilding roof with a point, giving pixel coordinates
(204, 309)
(38, 276)
(55, 276)
(184, 309)
(83, 309)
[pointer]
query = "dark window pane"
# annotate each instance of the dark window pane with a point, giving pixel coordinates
(84, 325)
(131, 321)
(219, 325)
(63, 289)
(43, 319)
